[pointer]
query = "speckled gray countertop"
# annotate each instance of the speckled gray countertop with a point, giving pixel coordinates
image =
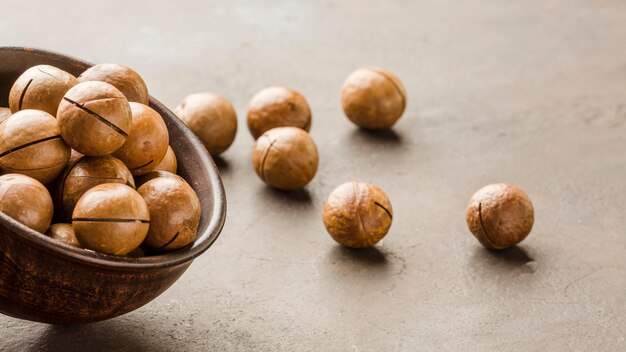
(528, 92)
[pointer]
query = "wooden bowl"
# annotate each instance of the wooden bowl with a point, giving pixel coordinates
(43, 280)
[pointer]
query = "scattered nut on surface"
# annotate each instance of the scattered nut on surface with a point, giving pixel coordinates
(31, 144)
(212, 118)
(111, 218)
(357, 214)
(500, 215)
(277, 107)
(40, 87)
(95, 118)
(26, 200)
(285, 158)
(373, 98)
(124, 78)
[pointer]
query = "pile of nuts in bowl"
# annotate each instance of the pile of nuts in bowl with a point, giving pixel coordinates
(356, 214)
(91, 154)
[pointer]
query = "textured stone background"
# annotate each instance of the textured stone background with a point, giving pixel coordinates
(529, 92)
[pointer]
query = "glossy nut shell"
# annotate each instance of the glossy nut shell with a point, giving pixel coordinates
(169, 162)
(212, 118)
(147, 142)
(277, 107)
(124, 78)
(111, 218)
(95, 118)
(40, 87)
(500, 215)
(357, 214)
(26, 200)
(31, 144)
(63, 233)
(174, 210)
(373, 98)
(285, 158)
(84, 174)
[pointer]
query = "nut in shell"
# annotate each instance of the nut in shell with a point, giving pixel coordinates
(31, 144)
(174, 210)
(500, 215)
(285, 158)
(147, 142)
(124, 78)
(111, 218)
(95, 118)
(357, 214)
(40, 87)
(26, 200)
(275, 107)
(373, 98)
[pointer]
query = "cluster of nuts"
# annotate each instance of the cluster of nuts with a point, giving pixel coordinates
(104, 155)
(285, 157)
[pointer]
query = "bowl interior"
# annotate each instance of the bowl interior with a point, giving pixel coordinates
(194, 164)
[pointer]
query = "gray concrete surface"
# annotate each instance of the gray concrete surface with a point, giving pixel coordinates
(529, 92)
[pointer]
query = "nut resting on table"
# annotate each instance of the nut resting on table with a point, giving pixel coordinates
(86, 139)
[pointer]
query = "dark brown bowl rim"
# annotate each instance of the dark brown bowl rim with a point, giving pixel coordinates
(202, 242)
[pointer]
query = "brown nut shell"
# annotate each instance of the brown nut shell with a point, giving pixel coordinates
(169, 162)
(40, 87)
(26, 200)
(212, 118)
(5, 113)
(357, 214)
(124, 78)
(111, 218)
(500, 215)
(373, 98)
(277, 107)
(95, 118)
(31, 144)
(147, 142)
(285, 158)
(84, 174)
(63, 233)
(174, 210)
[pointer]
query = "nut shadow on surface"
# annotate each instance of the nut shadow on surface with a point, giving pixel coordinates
(110, 335)
(222, 165)
(510, 261)
(386, 137)
(299, 196)
(370, 256)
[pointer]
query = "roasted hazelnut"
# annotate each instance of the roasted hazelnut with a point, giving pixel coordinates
(121, 77)
(373, 98)
(147, 142)
(174, 210)
(212, 118)
(5, 113)
(277, 107)
(357, 214)
(169, 162)
(285, 158)
(95, 118)
(40, 87)
(83, 175)
(26, 200)
(500, 215)
(31, 144)
(63, 233)
(111, 218)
